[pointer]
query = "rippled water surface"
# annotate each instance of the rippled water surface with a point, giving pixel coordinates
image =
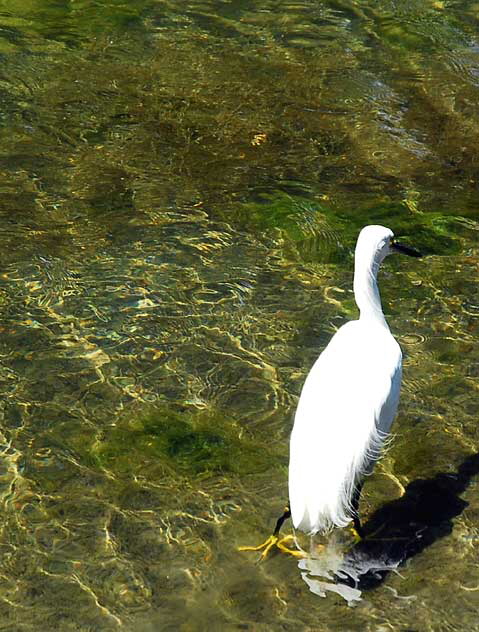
(181, 186)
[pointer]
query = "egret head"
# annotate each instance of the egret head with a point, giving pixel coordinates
(376, 242)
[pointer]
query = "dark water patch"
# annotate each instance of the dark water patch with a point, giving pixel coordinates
(405, 527)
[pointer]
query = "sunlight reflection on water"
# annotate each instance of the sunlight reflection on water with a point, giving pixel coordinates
(180, 191)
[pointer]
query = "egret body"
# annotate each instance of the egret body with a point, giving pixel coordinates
(348, 402)
(346, 408)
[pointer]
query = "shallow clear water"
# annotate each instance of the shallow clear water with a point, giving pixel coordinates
(181, 186)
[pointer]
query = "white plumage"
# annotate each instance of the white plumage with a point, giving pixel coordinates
(348, 401)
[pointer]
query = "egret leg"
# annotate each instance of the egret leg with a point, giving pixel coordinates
(275, 540)
(358, 530)
(281, 520)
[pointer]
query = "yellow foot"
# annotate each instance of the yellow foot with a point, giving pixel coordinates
(265, 547)
(273, 541)
(281, 544)
(356, 537)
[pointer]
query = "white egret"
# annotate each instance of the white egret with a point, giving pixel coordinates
(347, 405)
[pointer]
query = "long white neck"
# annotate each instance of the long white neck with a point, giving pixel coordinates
(366, 292)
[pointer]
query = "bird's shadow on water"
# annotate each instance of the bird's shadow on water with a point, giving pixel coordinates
(396, 532)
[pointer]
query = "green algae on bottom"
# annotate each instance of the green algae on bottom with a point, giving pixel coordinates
(186, 442)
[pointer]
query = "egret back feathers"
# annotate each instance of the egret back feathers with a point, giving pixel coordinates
(347, 404)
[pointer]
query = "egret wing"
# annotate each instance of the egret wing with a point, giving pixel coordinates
(346, 408)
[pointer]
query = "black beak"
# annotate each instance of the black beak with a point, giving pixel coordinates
(406, 250)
